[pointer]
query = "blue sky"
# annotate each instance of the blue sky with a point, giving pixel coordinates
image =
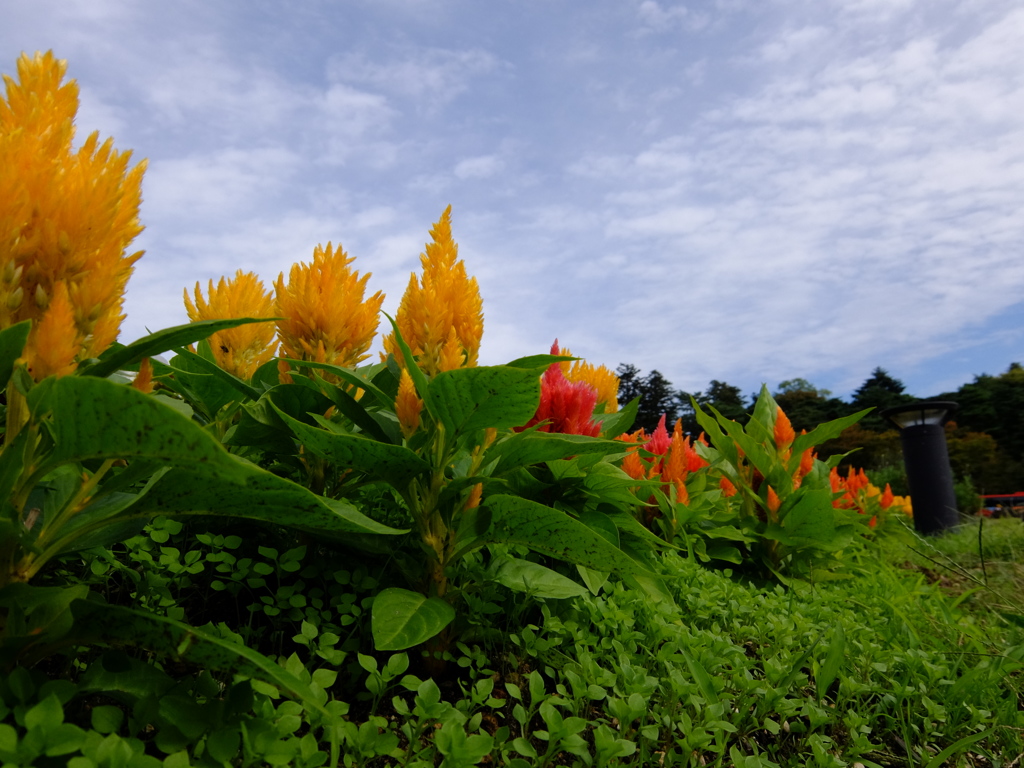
(741, 190)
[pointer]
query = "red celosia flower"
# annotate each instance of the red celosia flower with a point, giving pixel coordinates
(567, 407)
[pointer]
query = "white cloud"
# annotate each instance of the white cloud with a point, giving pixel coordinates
(430, 76)
(481, 167)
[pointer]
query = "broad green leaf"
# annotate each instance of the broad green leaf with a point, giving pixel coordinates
(119, 357)
(534, 578)
(34, 616)
(539, 363)
(619, 422)
(210, 367)
(593, 579)
(515, 520)
(533, 447)
(93, 418)
(826, 431)
(354, 411)
(12, 342)
(810, 519)
(468, 399)
(250, 492)
(395, 464)
(375, 394)
(295, 400)
(401, 619)
(205, 391)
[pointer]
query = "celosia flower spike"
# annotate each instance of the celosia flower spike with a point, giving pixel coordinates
(784, 434)
(239, 351)
(324, 317)
(408, 405)
(565, 406)
(66, 218)
(441, 313)
(599, 377)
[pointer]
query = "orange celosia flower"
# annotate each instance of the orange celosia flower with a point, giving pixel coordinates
(728, 489)
(773, 502)
(806, 465)
(632, 464)
(239, 351)
(324, 316)
(143, 381)
(407, 405)
(887, 497)
(784, 434)
(441, 314)
(65, 217)
(599, 377)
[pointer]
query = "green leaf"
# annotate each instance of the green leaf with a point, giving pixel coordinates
(516, 520)
(94, 418)
(536, 579)
(619, 422)
(940, 759)
(97, 622)
(833, 661)
(376, 395)
(250, 492)
(12, 342)
(419, 379)
(539, 363)
(810, 520)
(296, 400)
(47, 714)
(119, 358)
(395, 464)
(468, 399)
(198, 364)
(355, 412)
(401, 619)
(532, 447)
(826, 431)
(701, 677)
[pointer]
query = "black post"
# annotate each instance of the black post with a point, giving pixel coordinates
(923, 436)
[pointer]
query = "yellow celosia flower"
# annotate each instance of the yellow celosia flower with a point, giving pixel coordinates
(599, 377)
(239, 351)
(143, 381)
(66, 218)
(407, 405)
(441, 314)
(54, 348)
(324, 316)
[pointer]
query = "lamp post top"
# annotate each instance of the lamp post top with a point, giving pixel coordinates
(920, 413)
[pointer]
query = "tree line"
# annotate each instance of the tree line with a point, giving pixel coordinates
(985, 436)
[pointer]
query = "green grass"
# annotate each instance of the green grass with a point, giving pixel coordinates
(981, 562)
(891, 667)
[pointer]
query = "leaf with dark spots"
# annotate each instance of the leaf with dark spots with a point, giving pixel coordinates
(468, 399)
(519, 521)
(255, 494)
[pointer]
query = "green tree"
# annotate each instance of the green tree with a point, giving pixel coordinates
(656, 395)
(725, 398)
(879, 391)
(807, 406)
